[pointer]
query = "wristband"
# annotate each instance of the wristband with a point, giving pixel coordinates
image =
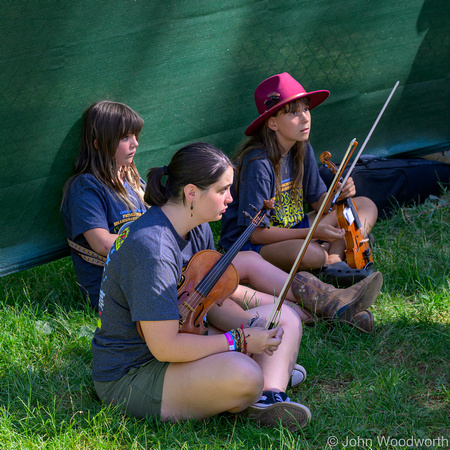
(231, 342)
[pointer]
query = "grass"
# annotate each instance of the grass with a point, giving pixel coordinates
(364, 391)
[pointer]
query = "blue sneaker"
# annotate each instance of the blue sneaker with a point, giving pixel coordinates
(275, 407)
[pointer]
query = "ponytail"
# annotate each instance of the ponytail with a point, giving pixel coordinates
(200, 164)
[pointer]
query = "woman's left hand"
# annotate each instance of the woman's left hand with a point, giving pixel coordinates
(349, 189)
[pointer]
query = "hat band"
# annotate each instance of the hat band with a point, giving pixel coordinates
(286, 100)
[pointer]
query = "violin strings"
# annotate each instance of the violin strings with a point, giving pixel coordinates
(219, 268)
(214, 274)
(211, 278)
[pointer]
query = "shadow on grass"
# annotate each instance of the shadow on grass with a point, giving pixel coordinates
(394, 382)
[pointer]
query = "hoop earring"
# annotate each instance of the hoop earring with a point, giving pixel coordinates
(192, 208)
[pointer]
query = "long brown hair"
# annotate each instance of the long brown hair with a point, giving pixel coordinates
(266, 139)
(105, 123)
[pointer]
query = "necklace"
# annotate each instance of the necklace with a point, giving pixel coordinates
(284, 165)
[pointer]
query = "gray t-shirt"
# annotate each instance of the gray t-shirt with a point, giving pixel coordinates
(140, 283)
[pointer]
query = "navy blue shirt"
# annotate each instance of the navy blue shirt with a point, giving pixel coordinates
(257, 183)
(91, 204)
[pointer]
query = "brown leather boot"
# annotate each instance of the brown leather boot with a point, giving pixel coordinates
(325, 301)
(309, 320)
(362, 321)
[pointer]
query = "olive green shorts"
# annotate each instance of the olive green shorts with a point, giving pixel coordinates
(139, 392)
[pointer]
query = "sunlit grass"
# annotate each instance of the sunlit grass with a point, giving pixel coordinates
(394, 382)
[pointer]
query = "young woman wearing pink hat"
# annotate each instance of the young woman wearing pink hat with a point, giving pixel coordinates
(278, 162)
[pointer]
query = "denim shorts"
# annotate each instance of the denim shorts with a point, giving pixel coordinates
(139, 392)
(257, 247)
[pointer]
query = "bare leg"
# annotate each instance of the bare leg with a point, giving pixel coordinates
(206, 387)
(284, 253)
(247, 298)
(276, 368)
(367, 212)
(267, 279)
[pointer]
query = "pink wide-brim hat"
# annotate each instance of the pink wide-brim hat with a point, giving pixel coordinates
(274, 92)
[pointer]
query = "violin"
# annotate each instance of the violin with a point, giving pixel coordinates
(210, 278)
(358, 252)
(197, 292)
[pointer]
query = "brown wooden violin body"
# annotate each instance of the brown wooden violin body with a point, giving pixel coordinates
(358, 253)
(196, 296)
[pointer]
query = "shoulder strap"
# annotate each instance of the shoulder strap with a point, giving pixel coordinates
(88, 255)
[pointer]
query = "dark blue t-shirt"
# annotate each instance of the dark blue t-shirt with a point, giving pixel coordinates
(140, 283)
(90, 204)
(257, 183)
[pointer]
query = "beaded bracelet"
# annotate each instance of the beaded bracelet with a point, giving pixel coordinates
(239, 338)
(245, 342)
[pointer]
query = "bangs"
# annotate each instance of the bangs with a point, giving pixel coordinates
(295, 105)
(131, 123)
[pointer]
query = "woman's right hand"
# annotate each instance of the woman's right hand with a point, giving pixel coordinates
(260, 340)
(328, 233)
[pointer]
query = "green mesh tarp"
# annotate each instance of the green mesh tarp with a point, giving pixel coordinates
(189, 68)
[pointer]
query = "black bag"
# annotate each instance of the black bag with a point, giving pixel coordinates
(393, 182)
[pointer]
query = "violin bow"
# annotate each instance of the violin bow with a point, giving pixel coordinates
(338, 192)
(276, 310)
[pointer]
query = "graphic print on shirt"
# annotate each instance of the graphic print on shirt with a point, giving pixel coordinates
(123, 233)
(288, 213)
(127, 216)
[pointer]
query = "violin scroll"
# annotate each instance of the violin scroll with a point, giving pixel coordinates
(268, 205)
(326, 161)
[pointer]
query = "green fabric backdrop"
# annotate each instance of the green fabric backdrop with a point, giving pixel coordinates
(190, 69)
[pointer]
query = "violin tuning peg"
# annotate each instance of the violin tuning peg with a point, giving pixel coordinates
(246, 214)
(266, 222)
(253, 207)
(269, 205)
